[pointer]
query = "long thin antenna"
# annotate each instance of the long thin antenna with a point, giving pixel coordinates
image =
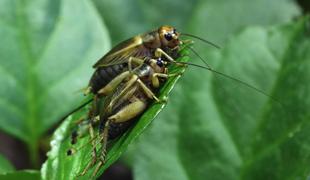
(201, 39)
(234, 79)
(205, 62)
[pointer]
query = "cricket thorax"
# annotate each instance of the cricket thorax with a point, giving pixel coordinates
(144, 71)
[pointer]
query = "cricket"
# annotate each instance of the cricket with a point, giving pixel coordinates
(126, 81)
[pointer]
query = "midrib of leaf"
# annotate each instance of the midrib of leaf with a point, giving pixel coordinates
(31, 111)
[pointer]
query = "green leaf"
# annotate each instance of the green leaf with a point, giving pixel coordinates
(5, 165)
(223, 130)
(46, 54)
(61, 166)
(24, 175)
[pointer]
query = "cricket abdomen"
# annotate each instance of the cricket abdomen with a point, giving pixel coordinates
(103, 75)
(117, 129)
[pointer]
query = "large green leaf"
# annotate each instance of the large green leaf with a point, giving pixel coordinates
(216, 129)
(61, 166)
(46, 52)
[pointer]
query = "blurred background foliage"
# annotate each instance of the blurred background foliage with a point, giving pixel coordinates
(212, 128)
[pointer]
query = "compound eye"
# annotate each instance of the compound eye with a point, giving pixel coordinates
(168, 36)
(160, 63)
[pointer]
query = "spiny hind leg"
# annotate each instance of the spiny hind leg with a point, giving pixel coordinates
(93, 119)
(103, 149)
(94, 149)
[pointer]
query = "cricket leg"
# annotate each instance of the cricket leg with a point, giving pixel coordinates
(94, 151)
(103, 149)
(92, 120)
(159, 53)
(134, 60)
(87, 90)
(82, 123)
(107, 89)
(149, 92)
(127, 88)
(155, 77)
(118, 79)
(128, 112)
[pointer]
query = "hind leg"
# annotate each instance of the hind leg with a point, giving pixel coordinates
(107, 89)
(93, 119)
(103, 149)
(125, 114)
(129, 112)
(94, 149)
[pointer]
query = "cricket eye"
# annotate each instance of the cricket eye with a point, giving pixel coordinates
(168, 36)
(160, 63)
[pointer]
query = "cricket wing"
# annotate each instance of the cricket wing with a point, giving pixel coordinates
(122, 52)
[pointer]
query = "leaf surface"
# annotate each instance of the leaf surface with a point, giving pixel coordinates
(46, 53)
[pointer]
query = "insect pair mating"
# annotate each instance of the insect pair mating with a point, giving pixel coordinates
(126, 82)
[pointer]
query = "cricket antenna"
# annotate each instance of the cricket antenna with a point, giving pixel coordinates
(234, 79)
(201, 39)
(195, 52)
